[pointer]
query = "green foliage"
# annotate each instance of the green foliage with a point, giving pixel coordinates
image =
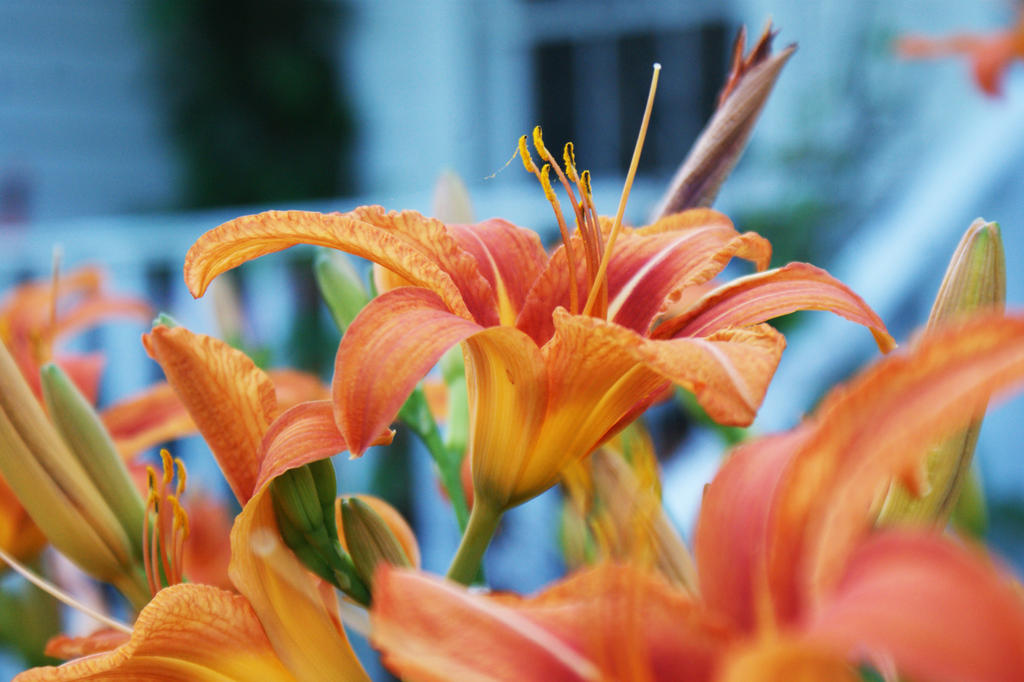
(252, 98)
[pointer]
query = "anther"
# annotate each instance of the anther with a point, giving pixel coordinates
(524, 154)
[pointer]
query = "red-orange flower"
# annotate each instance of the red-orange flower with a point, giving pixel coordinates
(794, 582)
(990, 55)
(547, 383)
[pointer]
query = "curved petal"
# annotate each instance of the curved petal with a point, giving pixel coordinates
(685, 220)
(188, 633)
(287, 599)
(730, 540)
(293, 387)
(231, 401)
(97, 309)
(433, 630)
(391, 344)
(647, 274)
(599, 372)
(766, 295)
(418, 249)
(507, 382)
(877, 428)
(941, 612)
(66, 648)
(510, 259)
(609, 622)
(778, 659)
(550, 289)
(302, 434)
(147, 419)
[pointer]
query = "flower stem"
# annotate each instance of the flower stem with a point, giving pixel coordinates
(416, 414)
(483, 522)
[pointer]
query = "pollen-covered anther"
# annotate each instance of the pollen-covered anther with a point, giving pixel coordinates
(166, 526)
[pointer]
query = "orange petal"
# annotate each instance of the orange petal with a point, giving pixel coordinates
(230, 400)
(647, 274)
(293, 387)
(415, 247)
(787, 660)
(207, 552)
(510, 259)
(303, 434)
(18, 535)
(507, 382)
(95, 310)
(147, 419)
(731, 539)
(610, 622)
(766, 295)
(66, 648)
(939, 611)
(432, 630)
(391, 344)
(186, 633)
(876, 428)
(287, 598)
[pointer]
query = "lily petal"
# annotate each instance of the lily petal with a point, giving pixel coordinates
(230, 399)
(766, 295)
(730, 542)
(391, 344)
(610, 622)
(875, 429)
(510, 259)
(434, 630)
(406, 246)
(186, 633)
(147, 419)
(507, 383)
(647, 274)
(941, 612)
(787, 660)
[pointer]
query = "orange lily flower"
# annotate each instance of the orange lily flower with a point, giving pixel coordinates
(990, 55)
(285, 621)
(794, 583)
(548, 380)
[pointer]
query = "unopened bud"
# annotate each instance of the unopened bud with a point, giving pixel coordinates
(975, 281)
(451, 199)
(340, 285)
(369, 539)
(87, 438)
(310, 532)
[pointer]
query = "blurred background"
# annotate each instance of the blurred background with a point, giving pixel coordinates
(129, 128)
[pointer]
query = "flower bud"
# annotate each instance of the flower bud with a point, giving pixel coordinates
(58, 492)
(975, 281)
(340, 285)
(369, 539)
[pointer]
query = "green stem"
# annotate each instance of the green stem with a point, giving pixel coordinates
(483, 522)
(416, 414)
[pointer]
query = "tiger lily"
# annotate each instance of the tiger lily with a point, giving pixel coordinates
(990, 55)
(795, 582)
(282, 624)
(563, 350)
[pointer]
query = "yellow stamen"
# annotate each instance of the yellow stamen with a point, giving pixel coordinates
(569, 159)
(617, 225)
(538, 143)
(182, 476)
(166, 525)
(549, 193)
(168, 466)
(524, 154)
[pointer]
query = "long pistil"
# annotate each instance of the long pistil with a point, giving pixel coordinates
(595, 288)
